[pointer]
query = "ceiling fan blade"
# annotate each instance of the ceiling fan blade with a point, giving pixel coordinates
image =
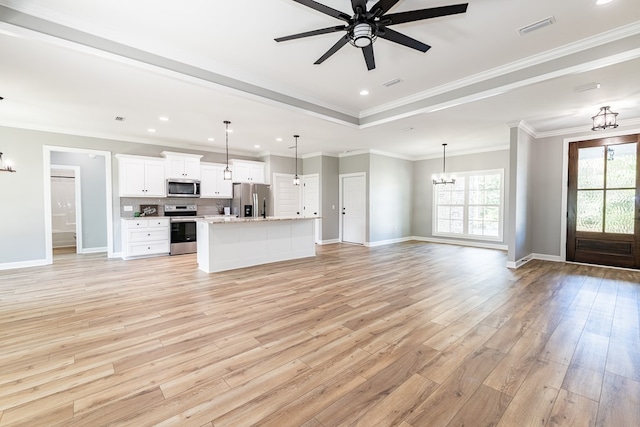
(324, 9)
(417, 15)
(367, 51)
(312, 33)
(336, 47)
(396, 37)
(359, 6)
(382, 7)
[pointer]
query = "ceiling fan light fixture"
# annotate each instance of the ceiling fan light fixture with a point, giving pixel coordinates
(362, 35)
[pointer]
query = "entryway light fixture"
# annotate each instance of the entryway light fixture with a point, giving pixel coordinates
(605, 119)
(296, 179)
(443, 178)
(227, 171)
(5, 166)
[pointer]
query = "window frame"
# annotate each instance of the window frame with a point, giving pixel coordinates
(465, 234)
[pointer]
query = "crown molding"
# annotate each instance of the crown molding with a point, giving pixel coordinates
(581, 45)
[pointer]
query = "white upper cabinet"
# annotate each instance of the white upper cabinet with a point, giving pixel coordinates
(183, 166)
(248, 171)
(212, 182)
(141, 176)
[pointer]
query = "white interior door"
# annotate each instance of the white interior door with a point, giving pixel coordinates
(310, 195)
(354, 209)
(311, 201)
(287, 197)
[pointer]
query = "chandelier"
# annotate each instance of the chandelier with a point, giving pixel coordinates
(443, 178)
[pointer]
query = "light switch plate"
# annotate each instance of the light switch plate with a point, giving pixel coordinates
(128, 208)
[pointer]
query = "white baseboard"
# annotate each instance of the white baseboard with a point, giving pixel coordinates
(388, 242)
(484, 245)
(329, 242)
(24, 264)
(545, 257)
(93, 250)
(519, 263)
(116, 255)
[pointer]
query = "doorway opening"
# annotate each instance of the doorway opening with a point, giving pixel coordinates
(93, 199)
(66, 214)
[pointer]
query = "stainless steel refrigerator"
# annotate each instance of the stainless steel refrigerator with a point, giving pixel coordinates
(250, 200)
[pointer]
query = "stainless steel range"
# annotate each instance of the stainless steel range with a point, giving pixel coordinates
(183, 228)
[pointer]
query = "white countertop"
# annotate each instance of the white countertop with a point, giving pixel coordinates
(235, 220)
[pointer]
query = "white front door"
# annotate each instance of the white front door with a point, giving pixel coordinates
(287, 196)
(311, 201)
(354, 209)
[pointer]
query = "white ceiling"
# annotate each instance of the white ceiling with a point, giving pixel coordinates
(72, 67)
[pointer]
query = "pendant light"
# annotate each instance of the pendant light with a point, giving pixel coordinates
(296, 179)
(443, 178)
(5, 167)
(605, 119)
(227, 171)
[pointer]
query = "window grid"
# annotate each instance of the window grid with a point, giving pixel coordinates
(472, 207)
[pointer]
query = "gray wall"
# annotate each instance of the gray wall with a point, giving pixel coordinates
(93, 192)
(22, 235)
(423, 187)
(330, 198)
(390, 210)
(520, 212)
(23, 229)
(546, 215)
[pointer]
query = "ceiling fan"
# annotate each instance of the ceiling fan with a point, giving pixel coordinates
(365, 26)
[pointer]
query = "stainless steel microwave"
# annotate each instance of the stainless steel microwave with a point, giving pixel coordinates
(183, 187)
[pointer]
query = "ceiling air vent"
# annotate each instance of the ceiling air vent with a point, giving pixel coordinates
(120, 119)
(392, 82)
(537, 25)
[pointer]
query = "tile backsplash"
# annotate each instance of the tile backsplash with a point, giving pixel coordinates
(205, 206)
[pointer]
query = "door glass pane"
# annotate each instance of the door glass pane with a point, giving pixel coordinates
(589, 210)
(591, 167)
(620, 211)
(621, 166)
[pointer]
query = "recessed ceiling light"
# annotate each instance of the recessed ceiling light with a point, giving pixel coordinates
(600, 2)
(150, 130)
(279, 139)
(364, 92)
(163, 119)
(257, 146)
(211, 139)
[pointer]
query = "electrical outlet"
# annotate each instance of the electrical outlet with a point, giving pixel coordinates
(128, 208)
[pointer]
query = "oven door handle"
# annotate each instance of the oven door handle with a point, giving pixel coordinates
(183, 220)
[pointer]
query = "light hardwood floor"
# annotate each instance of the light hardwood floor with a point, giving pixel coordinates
(410, 335)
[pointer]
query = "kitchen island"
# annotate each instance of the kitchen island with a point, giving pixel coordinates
(227, 243)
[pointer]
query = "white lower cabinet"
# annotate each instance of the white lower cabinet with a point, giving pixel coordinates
(145, 237)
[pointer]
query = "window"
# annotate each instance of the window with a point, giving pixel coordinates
(472, 207)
